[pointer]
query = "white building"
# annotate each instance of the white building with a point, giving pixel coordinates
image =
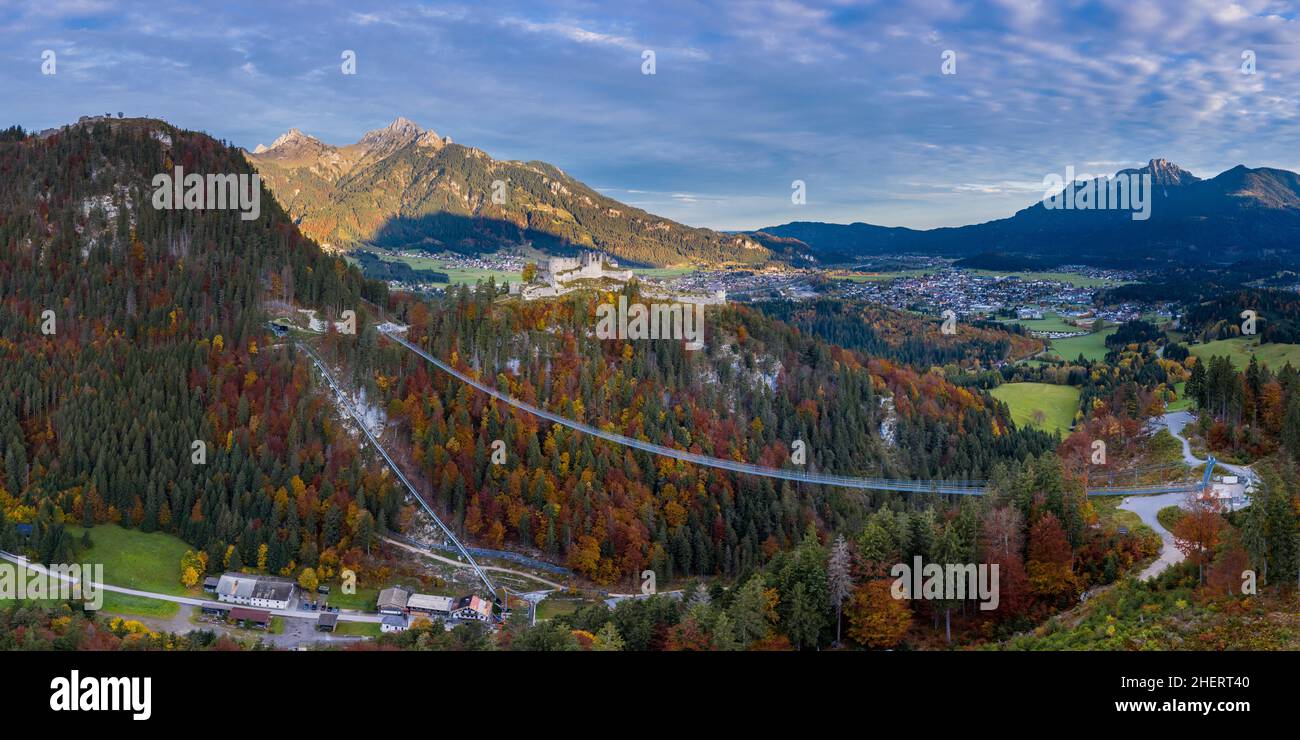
(473, 607)
(393, 623)
(262, 592)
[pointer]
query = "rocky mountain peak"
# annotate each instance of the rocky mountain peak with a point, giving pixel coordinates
(292, 136)
(1164, 172)
(401, 131)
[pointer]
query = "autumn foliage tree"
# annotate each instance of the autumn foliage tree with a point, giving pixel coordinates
(1196, 534)
(1050, 566)
(1226, 576)
(876, 618)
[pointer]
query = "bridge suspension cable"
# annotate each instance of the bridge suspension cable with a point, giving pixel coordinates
(957, 488)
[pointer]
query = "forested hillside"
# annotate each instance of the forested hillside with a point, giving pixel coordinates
(1277, 312)
(1249, 413)
(158, 342)
(756, 388)
(1037, 527)
(902, 336)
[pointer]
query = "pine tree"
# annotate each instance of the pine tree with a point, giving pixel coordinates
(1254, 534)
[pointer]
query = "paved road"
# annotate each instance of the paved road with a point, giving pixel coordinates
(1175, 423)
(1147, 506)
(297, 632)
(344, 616)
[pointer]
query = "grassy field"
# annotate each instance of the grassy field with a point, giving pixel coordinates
(1108, 512)
(142, 606)
(24, 573)
(469, 275)
(363, 600)
(1091, 346)
(1056, 403)
(663, 272)
(1079, 281)
(1183, 402)
(366, 597)
(1241, 349)
(114, 603)
(877, 277)
(557, 605)
(365, 629)
(134, 559)
(1049, 322)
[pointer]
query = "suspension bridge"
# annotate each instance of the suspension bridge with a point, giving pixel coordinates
(945, 487)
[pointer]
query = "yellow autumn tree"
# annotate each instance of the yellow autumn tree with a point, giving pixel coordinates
(876, 618)
(193, 566)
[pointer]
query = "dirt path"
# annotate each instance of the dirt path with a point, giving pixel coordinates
(459, 564)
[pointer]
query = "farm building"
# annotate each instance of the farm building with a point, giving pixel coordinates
(245, 617)
(433, 606)
(263, 592)
(393, 600)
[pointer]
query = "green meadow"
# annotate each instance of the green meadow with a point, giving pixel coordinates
(879, 277)
(1049, 322)
(1079, 281)
(1241, 349)
(455, 275)
(135, 559)
(1042, 405)
(663, 273)
(1091, 346)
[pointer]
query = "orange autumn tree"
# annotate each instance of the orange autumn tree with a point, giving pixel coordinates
(1051, 558)
(876, 618)
(1196, 535)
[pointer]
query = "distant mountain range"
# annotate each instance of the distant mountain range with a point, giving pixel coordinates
(406, 187)
(403, 187)
(1242, 214)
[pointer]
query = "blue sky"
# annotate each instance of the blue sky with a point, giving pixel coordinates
(747, 96)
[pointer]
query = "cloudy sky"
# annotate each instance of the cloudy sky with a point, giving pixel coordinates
(747, 97)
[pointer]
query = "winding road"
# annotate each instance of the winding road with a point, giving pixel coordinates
(1146, 507)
